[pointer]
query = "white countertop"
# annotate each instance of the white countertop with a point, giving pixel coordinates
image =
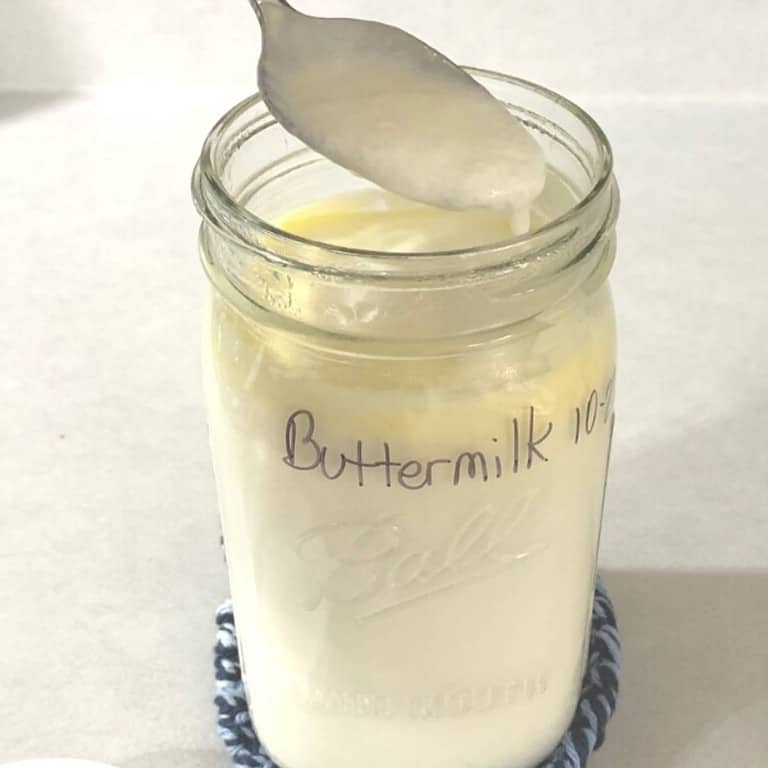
(110, 569)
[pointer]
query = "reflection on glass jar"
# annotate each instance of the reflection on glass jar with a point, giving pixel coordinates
(410, 416)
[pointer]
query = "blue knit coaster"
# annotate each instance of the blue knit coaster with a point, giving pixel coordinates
(599, 693)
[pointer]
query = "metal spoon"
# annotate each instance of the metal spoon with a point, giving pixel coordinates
(383, 104)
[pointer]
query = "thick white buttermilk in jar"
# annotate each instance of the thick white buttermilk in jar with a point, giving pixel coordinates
(411, 534)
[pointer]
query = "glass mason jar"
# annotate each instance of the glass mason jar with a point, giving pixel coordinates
(410, 453)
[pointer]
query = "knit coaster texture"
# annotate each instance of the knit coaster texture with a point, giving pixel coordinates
(599, 693)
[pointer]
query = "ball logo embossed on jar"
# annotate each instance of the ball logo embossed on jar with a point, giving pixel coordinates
(378, 567)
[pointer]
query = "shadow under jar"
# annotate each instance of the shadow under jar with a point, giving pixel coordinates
(410, 453)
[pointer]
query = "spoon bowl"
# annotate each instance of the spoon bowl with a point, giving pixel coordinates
(385, 105)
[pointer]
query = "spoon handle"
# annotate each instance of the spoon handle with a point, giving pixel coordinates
(257, 5)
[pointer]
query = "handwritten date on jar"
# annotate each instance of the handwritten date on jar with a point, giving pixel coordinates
(586, 415)
(377, 567)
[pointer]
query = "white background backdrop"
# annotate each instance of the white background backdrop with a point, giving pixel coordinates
(692, 49)
(109, 564)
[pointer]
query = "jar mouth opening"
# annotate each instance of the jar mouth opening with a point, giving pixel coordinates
(207, 183)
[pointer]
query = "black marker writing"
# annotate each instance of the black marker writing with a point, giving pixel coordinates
(305, 451)
(473, 460)
(534, 443)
